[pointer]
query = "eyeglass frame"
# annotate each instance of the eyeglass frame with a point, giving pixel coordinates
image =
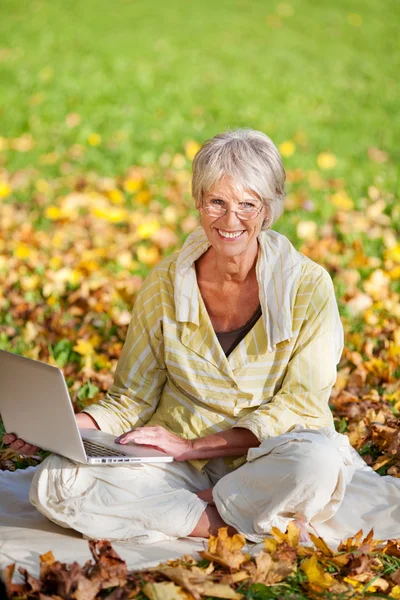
(236, 212)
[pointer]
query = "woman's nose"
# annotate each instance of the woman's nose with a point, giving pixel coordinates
(231, 217)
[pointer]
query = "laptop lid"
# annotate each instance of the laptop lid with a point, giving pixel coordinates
(35, 405)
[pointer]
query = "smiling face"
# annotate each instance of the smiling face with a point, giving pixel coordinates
(229, 235)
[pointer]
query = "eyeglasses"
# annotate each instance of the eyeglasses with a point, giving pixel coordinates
(218, 208)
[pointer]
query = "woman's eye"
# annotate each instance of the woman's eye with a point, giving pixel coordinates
(247, 205)
(217, 201)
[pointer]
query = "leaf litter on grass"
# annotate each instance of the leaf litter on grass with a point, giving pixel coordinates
(74, 251)
(283, 569)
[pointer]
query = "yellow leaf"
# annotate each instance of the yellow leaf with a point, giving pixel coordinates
(191, 149)
(146, 230)
(395, 592)
(133, 184)
(165, 590)
(342, 201)
(394, 273)
(111, 213)
(148, 256)
(53, 213)
(226, 550)
(3, 143)
(5, 189)
(84, 347)
(143, 197)
(326, 161)
(315, 574)
(321, 545)
(270, 545)
(22, 251)
(30, 282)
(42, 186)
(287, 148)
(116, 196)
(94, 139)
(55, 262)
(393, 254)
(293, 534)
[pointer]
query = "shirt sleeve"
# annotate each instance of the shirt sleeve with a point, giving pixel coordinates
(140, 374)
(311, 372)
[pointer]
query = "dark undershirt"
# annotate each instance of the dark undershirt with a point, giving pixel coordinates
(230, 339)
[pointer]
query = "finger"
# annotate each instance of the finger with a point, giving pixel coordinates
(23, 447)
(125, 438)
(28, 449)
(8, 438)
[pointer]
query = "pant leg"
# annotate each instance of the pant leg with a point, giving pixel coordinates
(142, 503)
(303, 472)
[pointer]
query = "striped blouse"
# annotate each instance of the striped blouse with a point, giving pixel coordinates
(173, 371)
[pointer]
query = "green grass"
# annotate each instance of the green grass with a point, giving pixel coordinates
(149, 76)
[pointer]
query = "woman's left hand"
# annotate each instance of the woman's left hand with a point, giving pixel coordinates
(160, 439)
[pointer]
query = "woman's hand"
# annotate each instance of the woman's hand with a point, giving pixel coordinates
(19, 445)
(83, 420)
(158, 438)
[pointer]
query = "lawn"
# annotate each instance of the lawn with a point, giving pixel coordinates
(102, 107)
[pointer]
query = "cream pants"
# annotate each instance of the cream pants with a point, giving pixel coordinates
(302, 473)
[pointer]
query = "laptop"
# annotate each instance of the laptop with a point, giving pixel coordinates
(36, 406)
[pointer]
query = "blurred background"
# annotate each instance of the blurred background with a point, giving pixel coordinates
(102, 108)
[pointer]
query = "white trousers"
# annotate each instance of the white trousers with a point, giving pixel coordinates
(302, 473)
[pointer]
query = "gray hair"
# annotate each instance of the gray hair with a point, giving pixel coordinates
(250, 159)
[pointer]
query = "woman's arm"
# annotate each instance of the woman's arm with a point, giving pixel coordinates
(311, 372)
(233, 442)
(141, 374)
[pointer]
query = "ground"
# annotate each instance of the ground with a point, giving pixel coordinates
(102, 108)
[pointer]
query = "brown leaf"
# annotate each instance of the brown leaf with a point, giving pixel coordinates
(226, 550)
(392, 548)
(395, 577)
(271, 570)
(33, 584)
(198, 584)
(12, 588)
(110, 568)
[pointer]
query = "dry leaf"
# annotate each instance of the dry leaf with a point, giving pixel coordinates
(165, 590)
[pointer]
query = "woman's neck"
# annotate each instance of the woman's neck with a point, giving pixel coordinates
(229, 270)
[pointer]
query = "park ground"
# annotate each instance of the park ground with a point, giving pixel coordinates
(102, 108)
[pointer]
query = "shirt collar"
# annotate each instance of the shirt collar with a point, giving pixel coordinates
(278, 270)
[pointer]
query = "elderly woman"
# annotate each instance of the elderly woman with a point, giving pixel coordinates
(228, 365)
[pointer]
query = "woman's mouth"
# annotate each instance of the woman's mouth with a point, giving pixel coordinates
(229, 235)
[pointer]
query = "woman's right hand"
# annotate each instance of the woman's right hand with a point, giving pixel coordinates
(83, 420)
(19, 445)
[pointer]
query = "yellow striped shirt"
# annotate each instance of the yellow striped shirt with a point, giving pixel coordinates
(173, 372)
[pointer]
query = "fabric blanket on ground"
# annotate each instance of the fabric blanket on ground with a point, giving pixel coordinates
(370, 502)
(25, 534)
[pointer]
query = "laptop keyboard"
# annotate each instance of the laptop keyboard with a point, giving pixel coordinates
(95, 449)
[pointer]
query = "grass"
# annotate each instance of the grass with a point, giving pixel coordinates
(147, 77)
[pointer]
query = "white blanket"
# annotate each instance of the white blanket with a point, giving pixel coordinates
(370, 501)
(25, 534)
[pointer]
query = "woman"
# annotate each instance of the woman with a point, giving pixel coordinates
(231, 352)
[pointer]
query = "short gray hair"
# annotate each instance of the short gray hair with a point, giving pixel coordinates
(247, 156)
